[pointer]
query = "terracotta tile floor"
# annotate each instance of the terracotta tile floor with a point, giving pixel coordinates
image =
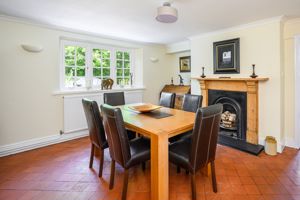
(61, 172)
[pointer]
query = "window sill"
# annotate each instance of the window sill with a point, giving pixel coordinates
(94, 90)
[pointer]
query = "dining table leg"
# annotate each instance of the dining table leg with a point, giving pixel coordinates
(159, 166)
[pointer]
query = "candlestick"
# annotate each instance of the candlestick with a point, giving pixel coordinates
(253, 75)
(203, 75)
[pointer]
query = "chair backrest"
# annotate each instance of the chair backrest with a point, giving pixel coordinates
(205, 136)
(167, 99)
(114, 99)
(94, 121)
(191, 102)
(116, 134)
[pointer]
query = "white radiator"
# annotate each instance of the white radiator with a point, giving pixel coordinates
(74, 118)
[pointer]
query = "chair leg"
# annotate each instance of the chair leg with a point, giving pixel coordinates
(112, 175)
(193, 184)
(92, 155)
(125, 185)
(101, 162)
(186, 172)
(213, 176)
(178, 169)
(143, 166)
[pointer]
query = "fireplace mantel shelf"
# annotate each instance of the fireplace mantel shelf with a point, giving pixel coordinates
(230, 79)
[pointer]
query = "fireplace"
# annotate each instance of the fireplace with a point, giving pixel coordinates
(239, 96)
(234, 117)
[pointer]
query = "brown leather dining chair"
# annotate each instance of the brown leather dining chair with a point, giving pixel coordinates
(117, 99)
(114, 98)
(167, 99)
(122, 150)
(190, 103)
(96, 131)
(199, 150)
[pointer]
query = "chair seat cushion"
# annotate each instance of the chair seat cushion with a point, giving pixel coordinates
(140, 151)
(179, 152)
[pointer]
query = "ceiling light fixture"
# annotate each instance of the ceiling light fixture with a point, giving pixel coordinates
(166, 13)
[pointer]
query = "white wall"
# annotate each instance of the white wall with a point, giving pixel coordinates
(259, 44)
(27, 80)
(291, 29)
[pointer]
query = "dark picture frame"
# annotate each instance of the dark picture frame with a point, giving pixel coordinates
(227, 56)
(185, 64)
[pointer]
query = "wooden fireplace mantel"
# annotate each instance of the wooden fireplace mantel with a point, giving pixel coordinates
(248, 85)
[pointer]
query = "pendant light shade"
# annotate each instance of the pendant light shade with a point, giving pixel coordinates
(166, 13)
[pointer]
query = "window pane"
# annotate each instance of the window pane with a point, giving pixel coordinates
(69, 61)
(126, 72)
(69, 71)
(126, 81)
(105, 54)
(96, 62)
(96, 53)
(106, 71)
(119, 64)
(126, 56)
(127, 64)
(69, 82)
(96, 71)
(80, 56)
(119, 55)
(80, 71)
(119, 72)
(70, 51)
(119, 80)
(96, 81)
(106, 63)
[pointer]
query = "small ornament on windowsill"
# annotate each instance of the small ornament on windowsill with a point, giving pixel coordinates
(172, 81)
(253, 75)
(203, 75)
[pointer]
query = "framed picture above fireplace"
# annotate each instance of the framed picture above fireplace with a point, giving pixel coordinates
(227, 56)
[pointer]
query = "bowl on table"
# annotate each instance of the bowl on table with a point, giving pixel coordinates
(144, 108)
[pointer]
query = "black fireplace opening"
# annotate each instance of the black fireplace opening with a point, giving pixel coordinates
(234, 117)
(233, 126)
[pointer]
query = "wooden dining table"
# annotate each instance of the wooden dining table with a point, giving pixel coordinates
(159, 131)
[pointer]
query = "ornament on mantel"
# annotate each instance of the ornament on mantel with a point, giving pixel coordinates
(253, 75)
(203, 75)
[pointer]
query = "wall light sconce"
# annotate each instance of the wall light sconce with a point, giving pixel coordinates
(32, 48)
(153, 59)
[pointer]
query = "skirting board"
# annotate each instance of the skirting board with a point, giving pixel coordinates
(39, 142)
(291, 142)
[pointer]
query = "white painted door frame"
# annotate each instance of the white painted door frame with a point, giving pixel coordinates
(297, 90)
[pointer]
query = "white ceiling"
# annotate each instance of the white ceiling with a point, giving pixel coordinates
(135, 19)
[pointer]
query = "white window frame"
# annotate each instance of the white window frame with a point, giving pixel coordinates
(89, 63)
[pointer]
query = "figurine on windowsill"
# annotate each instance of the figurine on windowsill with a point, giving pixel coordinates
(181, 79)
(106, 84)
(253, 75)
